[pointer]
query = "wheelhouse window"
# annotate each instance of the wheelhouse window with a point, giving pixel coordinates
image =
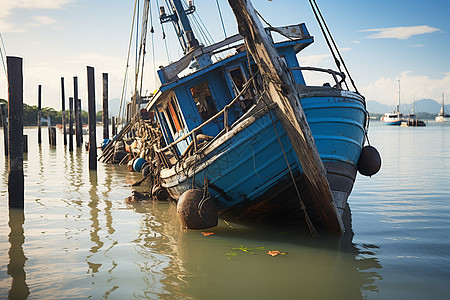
(203, 101)
(238, 80)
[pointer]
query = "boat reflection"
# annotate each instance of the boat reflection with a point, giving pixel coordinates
(190, 265)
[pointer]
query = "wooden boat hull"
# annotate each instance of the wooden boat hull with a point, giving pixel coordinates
(246, 168)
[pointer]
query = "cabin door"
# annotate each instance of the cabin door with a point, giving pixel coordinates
(175, 122)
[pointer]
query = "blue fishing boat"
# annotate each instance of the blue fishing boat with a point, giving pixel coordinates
(225, 135)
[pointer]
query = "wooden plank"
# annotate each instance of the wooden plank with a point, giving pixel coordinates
(281, 90)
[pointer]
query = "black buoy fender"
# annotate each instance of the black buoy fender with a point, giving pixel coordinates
(369, 162)
(160, 193)
(196, 210)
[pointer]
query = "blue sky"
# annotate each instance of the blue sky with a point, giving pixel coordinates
(381, 41)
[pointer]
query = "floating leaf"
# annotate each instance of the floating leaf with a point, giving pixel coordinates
(275, 252)
(207, 233)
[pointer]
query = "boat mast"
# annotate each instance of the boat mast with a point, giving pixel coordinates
(398, 106)
(181, 24)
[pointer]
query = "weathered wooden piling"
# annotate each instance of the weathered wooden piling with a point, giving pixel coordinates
(70, 124)
(15, 108)
(113, 126)
(105, 119)
(39, 113)
(92, 119)
(78, 128)
(49, 127)
(25, 143)
(63, 108)
(80, 122)
(4, 121)
(53, 135)
(51, 132)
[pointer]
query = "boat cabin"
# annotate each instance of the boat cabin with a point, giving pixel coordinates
(183, 104)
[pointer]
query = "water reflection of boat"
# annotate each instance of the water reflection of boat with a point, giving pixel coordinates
(189, 265)
(248, 129)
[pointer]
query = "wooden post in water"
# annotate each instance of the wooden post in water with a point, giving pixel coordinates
(80, 122)
(70, 123)
(105, 118)
(4, 122)
(281, 90)
(92, 119)
(15, 107)
(25, 143)
(39, 113)
(63, 107)
(49, 129)
(113, 126)
(53, 135)
(78, 129)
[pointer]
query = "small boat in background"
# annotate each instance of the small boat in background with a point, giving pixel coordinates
(392, 118)
(442, 116)
(412, 121)
(395, 117)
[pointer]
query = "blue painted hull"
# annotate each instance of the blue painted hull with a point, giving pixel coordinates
(247, 171)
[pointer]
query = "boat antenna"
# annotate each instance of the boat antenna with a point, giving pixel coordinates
(329, 39)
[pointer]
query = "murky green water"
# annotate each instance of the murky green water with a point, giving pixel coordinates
(78, 239)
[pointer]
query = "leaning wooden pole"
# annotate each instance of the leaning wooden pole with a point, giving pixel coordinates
(281, 90)
(92, 119)
(63, 107)
(105, 118)
(15, 107)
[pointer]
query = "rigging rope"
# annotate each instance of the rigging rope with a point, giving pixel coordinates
(321, 20)
(128, 61)
(221, 19)
(3, 53)
(164, 37)
(152, 31)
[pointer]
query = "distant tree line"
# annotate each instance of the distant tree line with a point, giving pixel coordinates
(30, 115)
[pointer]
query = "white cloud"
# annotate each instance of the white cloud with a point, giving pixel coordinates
(417, 45)
(41, 21)
(401, 33)
(8, 6)
(412, 87)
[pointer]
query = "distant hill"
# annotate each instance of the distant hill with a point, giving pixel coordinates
(425, 106)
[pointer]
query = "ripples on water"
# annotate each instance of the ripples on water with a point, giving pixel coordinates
(78, 238)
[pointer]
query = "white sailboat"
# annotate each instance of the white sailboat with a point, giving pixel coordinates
(442, 116)
(395, 117)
